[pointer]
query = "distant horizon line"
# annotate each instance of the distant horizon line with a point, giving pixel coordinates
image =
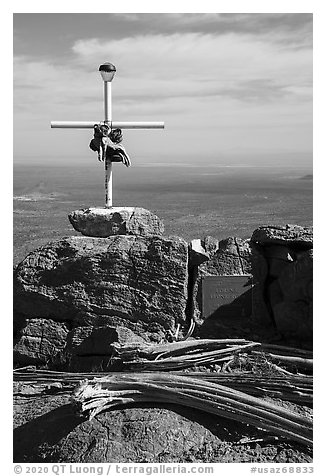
(169, 165)
(254, 153)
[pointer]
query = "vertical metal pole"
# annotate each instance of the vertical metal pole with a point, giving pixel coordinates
(108, 163)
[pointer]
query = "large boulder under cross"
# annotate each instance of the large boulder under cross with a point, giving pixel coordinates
(136, 282)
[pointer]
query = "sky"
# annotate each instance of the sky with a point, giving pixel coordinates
(226, 85)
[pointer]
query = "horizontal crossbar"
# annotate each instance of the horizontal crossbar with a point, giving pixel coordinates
(113, 125)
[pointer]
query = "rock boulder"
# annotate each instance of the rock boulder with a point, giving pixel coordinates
(135, 278)
(283, 276)
(294, 235)
(134, 435)
(231, 258)
(47, 430)
(39, 341)
(89, 340)
(104, 222)
(136, 282)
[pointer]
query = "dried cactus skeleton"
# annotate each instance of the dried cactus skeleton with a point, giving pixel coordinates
(102, 394)
(182, 354)
(234, 394)
(185, 354)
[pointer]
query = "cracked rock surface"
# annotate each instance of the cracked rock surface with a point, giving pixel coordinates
(137, 282)
(47, 430)
(104, 222)
(39, 341)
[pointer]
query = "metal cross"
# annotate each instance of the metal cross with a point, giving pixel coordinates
(107, 71)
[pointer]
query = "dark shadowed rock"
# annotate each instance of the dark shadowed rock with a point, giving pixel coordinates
(97, 340)
(274, 293)
(294, 319)
(297, 278)
(39, 341)
(282, 260)
(278, 257)
(140, 280)
(104, 222)
(259, 269)
(19, 321)
(293, 314)
(147, 331)
(90, 348)
(282, 253)
(294, 235)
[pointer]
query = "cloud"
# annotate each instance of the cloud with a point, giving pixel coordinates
(193, 63)
(226, 87)
(291, 28)
(168, 19)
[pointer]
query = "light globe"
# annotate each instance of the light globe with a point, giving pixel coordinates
(107, 71)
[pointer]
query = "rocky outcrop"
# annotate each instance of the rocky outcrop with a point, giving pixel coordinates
(288, 235)
(137, 282)
(134, 435)
(278, 263)
(40, 341)
(47, 430)
(228, 257)
(293, 310)
(135, 278)
(92, 292)
(232, 257)
(143, 434)
(283, 271)
(89, 340)
(93, 347)
(78, 299)
(104, 222)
